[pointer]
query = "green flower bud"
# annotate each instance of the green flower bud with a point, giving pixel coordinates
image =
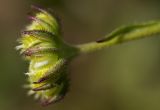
(48, 55)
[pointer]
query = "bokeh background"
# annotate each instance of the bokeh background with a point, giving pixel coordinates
(123, 77)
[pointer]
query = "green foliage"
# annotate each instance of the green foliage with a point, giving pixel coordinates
(123, 34)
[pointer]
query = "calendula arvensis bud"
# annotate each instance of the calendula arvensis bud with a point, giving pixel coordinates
(48, 56)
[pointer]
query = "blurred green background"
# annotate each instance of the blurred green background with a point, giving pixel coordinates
(123, 77)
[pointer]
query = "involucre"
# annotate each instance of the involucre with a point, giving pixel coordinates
(48, 57)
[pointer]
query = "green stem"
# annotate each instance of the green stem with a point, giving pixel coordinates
(121, 35)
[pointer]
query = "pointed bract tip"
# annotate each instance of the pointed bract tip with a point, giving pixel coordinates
(38, 8)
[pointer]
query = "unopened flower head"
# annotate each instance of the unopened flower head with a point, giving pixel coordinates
(48, 56)
(42, 45)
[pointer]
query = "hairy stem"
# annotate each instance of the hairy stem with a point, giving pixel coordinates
(121, 35)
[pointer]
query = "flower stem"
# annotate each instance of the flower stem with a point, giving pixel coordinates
(121, 35)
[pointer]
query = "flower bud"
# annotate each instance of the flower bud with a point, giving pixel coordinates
(48, 56)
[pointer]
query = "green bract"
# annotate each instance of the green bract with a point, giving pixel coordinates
(48, 56)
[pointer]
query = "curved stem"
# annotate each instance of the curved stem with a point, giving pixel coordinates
(121, 35)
